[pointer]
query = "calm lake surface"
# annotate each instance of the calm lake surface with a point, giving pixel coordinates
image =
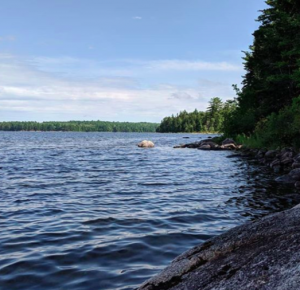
(92, 211)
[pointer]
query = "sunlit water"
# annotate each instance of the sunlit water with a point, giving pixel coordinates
(92, 211)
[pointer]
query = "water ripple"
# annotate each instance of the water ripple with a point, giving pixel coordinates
(92, 211)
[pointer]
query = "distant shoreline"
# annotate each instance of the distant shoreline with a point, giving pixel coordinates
(78, 126)
(32, 131)
(60, 131)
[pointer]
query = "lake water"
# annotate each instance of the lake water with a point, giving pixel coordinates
(92, 211)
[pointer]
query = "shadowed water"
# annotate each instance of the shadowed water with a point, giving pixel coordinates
(92, 211)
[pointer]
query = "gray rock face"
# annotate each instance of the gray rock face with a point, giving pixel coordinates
(228, 141)
(210, 143)
(179, 146)
(260, 255)
(205, 147)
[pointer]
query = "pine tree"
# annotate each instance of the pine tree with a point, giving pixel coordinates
(272, 66)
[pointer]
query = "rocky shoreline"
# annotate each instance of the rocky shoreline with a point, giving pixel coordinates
(263, 254)
(209, 144)
(257, 255)
(285, 161)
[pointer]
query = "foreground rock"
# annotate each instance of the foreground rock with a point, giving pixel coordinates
(146, 144)
(260, 255)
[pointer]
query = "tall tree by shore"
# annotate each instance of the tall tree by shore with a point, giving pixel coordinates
(210, 121)
(268, 103)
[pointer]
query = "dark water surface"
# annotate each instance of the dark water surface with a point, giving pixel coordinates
(92, 211)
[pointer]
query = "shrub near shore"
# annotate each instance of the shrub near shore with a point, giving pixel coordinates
(277, 130)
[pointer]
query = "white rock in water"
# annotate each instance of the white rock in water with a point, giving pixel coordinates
(146, 144)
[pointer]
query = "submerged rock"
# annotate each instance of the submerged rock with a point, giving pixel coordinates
(234, 156)
(285, 179)
(259, 255)
(179, 146)
(146, 144)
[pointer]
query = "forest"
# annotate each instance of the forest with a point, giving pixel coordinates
(212, 120)
(79, 126)
(268, 104)
(266, 110)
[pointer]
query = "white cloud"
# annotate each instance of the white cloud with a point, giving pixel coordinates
(64, 88)
(181, 96)
(183, 65)
(137, 18)
(162, 65)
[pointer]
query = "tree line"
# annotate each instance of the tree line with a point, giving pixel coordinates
(212, 120)
(268, 104)
(266, 110)
(79, 126)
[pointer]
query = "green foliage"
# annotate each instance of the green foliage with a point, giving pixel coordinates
(277, 130)
(283, 128)
(267, 111)
(252, 141)
(79, 126)
(212, 120)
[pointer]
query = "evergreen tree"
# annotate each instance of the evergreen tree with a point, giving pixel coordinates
(272, 66)
(196, 121)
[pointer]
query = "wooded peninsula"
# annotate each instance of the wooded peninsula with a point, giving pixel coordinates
(266, 111)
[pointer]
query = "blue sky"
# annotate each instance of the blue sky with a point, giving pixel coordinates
(121, 60)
